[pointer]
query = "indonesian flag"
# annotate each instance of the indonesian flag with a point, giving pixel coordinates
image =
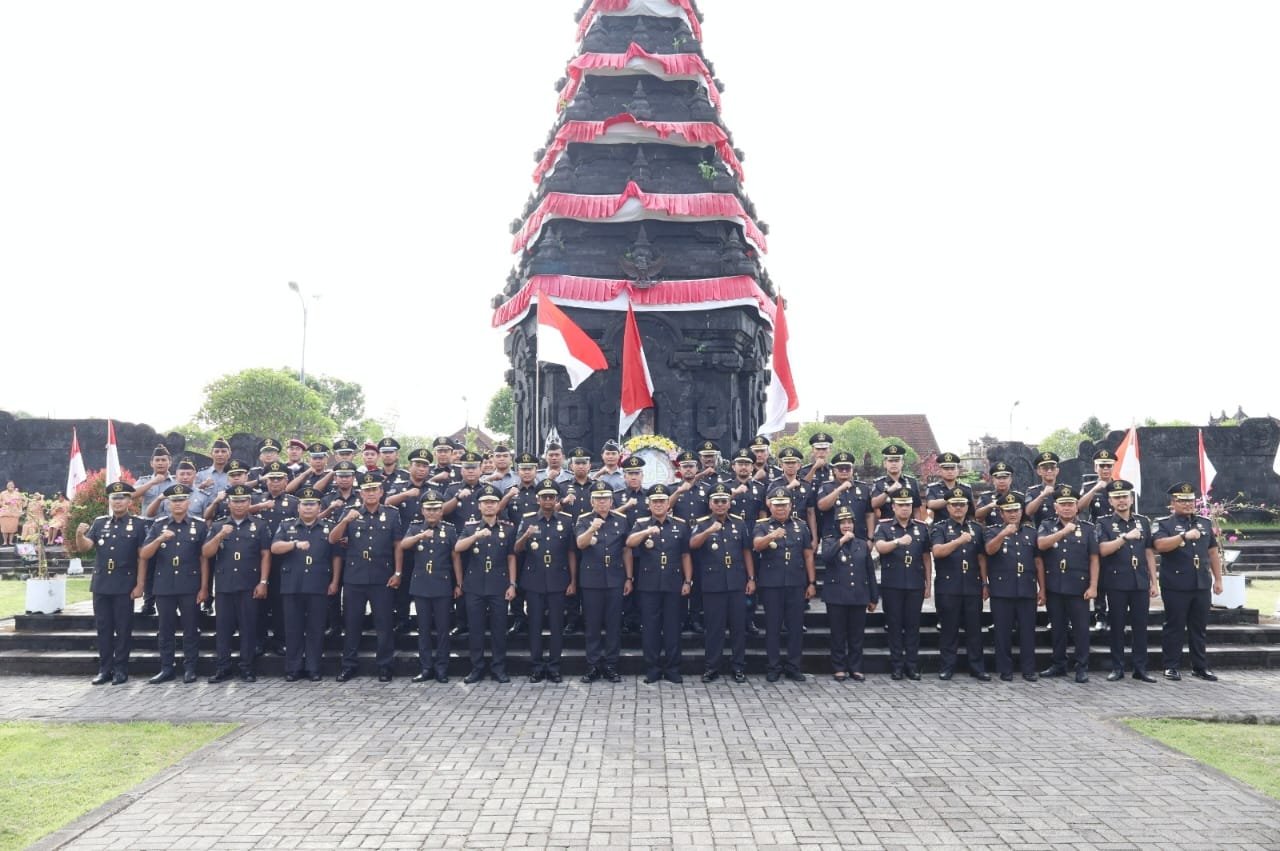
(1127, 466)
(113, 455)
(637, 384)
(782, 398)
(76, 474)
(1207, 471)
(562, 342)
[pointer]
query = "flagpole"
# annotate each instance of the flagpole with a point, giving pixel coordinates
(537, 404)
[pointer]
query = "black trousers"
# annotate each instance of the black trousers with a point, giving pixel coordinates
(660, 615)
(693, 604)
(1006, 612)
(304, 617)
(783, 606)
(602, 614)
(721, 608)
(236, 611)
(848, 625)
(403, 601)
(113, 617)
(1186, 618)
(1134, 608)
(1069, 615)
(333, 612)
(547, 610)
(271, 610)
(173, 610)
(902, 616)
(433, 613)
(490, 610)
(631, 611)
(378, 597)
(954, 611)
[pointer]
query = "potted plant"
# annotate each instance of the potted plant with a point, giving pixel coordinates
(46, 594)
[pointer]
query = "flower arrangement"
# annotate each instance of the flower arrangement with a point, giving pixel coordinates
(90, 502)
(651, 441)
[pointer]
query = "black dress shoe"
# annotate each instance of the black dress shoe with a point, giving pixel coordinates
(163, 677)
(612, 676)
(1144, 676)
(292, 678)
(315, 677)
(473, 677)
(120, 678)
(501, 678)
(220, 676)
(650, 679)
(773, 676)
(442, 678)
(1204, 674)
(673, 678)
(1115, 676)
(1006, 678)
(945, 675)
(554, 678)
(896, 675)
(913, 674)
(1172, 674)
(797, 677)
(1031, 677)
(248, 677)
(591, 675)
(384, 675)
(1053, 671)
(1082, 676)
(423, 677)
(710, 676)
(739, 676)
(980, 676)
(189, 676)
(346, 674)
(537, 677)
(102, 679)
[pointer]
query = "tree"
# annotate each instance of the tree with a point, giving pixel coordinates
(344, 400)
(1064, 442)
(1095, 429)
(266, 403)
(857, 437)
(197, 439)
(501, 415)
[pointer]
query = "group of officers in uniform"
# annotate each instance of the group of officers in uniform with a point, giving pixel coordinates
(292, 550)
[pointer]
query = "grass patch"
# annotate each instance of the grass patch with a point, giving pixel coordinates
(1247, 752)
(55, 773)
(13, 594)
(1261, 594)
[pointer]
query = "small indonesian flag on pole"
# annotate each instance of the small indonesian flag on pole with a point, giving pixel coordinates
(637, 384)
(781, 398)
(1127, 464)
(1207, 470)
(76, 474)
(562, 342)
(113, 455)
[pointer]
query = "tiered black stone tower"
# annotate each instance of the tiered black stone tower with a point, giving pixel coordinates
(639, 198)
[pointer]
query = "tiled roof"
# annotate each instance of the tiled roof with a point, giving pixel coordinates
(913, 428)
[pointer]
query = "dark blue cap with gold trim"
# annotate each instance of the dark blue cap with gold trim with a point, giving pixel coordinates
(1120, 487)
(431, 499)
(635, 462)
(1104, 456)
(268, 444)
(720, 491)
(958, 495)
(186, 464)
(344, 445)
(1065, 493)
(239, 493)
(178, 492)
(778, 496)
(471, 458)
(821, 440)
(318, 450)
(235, 466)
(687, 458)
(422, 455)
(744, 455)
(660, 491)
(1000, 468)
(1182, 490)
(948, 459)
(308, 495)
(1010, 501)
(842, 459)
(526, 459)
(547, 486)
(790, 453)
(487, 493)
(388, 444)
(370, 480)
(119, 489)
(708, 447)
(1047, 458)
(344, 468)
(893, 450)
(579, 453)
(275, 470)
(601, 488)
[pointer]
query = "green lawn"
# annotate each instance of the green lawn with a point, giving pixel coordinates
(1261, 594)
(13, 594)
(55, 773)
(1248, 752)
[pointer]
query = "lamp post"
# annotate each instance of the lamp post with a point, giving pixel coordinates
(1011, 407)
(302, 364)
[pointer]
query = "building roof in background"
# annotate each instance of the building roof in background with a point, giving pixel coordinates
(912, 428)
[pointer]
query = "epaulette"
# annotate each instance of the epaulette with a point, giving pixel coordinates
(737, 516)
(565, 514)
(885, 520)
(677, 519)
(640, 520)
(1158, 519)
(616, 513)
(448, 523)
(700, 519)
(529, 514)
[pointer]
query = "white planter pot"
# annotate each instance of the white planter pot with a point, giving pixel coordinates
(46, 596)
(1232, 596)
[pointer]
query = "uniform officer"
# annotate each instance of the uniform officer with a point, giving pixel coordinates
(1040, 504)
(609, 470)
(885, 488)
(389, 459)
(461, 509)
(749, 504)
(804, 504)
(147, 491)
(173, 548)
(1094, 505)
(786, 577)
(1127, 577)
(118, 579)
(548, 575)
(986, 511)
(1190, 567)
(575, 491)
(958, 591)
(842, 490)
(1069, 555)
(724, 566)
(521, 498)
(818, 471)
(849, 591)
(765, 470)
(268, 451)
(663, 573)
(317, 474)
(240, 546)
(604, 578)
(937, 495)
(344, 450)
(293, 450)
(503, 476)
(487, 574)
(444, 472)
(906, 579)
(213, 479)
(403, 495)
(309, 569)
(1010, 573)
(371, 570)
(273, 508)
(433, 584)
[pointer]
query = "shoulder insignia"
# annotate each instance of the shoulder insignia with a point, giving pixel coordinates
(736, 516)
(677, 519)
(616, 513)
(700, 519)
(528, 514)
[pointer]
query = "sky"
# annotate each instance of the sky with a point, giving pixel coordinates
(1070, 206)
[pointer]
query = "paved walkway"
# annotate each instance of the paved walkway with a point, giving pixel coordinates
(884, 764)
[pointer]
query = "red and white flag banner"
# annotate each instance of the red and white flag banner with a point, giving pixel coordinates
(76, 473)
(113, 455)
(637, 383)
(562, 342)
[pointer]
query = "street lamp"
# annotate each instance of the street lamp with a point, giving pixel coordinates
(302, 364)
(1011, 407)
